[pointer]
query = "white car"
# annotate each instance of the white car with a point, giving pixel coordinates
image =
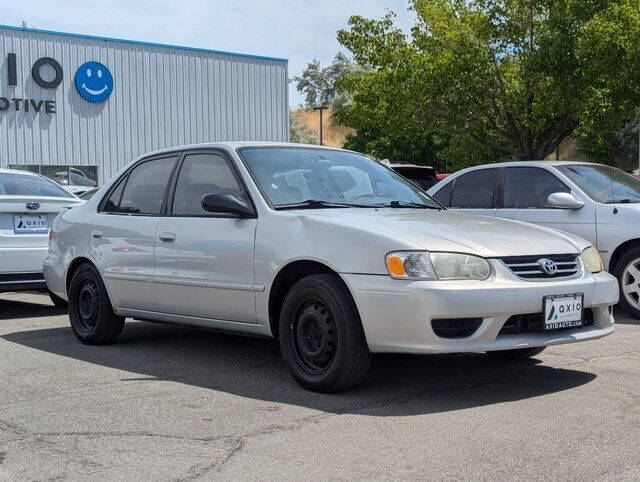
(28, 204)
(597, 202)
(325, 249)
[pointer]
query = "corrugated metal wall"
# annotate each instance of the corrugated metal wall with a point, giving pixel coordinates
(163, 96)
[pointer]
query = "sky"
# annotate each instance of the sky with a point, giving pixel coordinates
(299, 30)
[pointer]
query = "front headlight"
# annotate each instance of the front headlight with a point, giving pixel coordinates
(422, 265)
(591, 260)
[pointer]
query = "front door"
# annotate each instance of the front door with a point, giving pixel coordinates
(525, 194)
(205, 261)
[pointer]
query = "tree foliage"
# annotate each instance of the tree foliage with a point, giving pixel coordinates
(486, 80)
(300, 132)
(318, 84)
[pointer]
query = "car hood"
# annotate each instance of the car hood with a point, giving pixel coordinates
(451, 231)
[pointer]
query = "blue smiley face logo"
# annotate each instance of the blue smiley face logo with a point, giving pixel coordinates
(94, 82)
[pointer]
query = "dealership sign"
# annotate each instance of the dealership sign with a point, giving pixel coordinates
(93, 82)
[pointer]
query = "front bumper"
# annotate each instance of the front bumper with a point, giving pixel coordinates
(396, 314)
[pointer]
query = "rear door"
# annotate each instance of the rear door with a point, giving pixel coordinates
(524, 198)
(124, 232)
(204, 260)
(474, 192)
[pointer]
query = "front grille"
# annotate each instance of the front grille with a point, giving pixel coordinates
(529, 268)
(534, 323)
(455, 327)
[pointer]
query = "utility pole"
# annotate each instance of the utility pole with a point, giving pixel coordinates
(321, 108)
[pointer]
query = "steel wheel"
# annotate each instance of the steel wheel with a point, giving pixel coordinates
(630, 282)
(88, 306)
(313, 336)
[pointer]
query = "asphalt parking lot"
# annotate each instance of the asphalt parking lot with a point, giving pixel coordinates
(174, 403)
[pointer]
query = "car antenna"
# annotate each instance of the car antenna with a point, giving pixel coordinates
(613, 196)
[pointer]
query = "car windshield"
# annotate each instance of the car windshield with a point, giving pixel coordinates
(301, 177)
(17, 184)
(604, 183)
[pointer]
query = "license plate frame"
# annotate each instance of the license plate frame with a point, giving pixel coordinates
(562, 312)
(30, 224)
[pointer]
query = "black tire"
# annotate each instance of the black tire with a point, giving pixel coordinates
(517, 354)
(57, 301)
(92, 318)
(619, 271)
(321, 335)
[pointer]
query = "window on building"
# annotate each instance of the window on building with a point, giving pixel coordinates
(202, 174)
(145, 187)
(65, 175)
(475, 190)
(530, 187)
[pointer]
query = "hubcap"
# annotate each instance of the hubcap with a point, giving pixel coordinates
(313, 336)
(88, 304)
(631, 283)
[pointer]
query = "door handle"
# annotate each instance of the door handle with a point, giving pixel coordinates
(167, 237)
(96, 234)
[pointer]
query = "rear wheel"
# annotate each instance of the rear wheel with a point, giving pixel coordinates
(627, 271)
(321, 336)
(517, 354)
(92, 318)
(57, 301)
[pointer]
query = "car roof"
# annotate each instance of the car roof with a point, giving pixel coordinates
(232, 145)
(531, 164)
(17, 171)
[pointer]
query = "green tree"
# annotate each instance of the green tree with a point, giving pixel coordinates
(318, 84)
(486, 80)
(299, 132)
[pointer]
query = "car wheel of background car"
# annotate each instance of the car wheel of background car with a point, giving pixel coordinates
(92, 318)
(321, 336)
(57, 301)
(517, 354)
(627, 270)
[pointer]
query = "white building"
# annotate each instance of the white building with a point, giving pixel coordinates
(77, 108)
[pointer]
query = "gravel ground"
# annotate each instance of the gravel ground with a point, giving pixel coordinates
(175, 403)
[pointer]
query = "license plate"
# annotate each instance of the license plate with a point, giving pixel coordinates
(563, 311)
(30, 224)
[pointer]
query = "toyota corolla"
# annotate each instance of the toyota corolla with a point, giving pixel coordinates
(333, 254)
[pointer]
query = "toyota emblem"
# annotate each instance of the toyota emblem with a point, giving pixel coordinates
(33, 205)
(548, 266)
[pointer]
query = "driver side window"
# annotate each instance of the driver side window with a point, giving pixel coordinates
(202, 174)
(530, 187)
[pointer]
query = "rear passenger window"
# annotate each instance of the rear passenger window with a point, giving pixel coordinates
(144, 191)
(202, 174)
(529, 187)
(443, 196)
(475, 190)
(112, 203)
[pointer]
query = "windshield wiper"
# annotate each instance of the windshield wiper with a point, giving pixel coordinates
(625, 200)
(319, 204)
(410, 204)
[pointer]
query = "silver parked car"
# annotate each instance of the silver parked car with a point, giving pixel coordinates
(599, 203)
(28, 204)
(325, 249)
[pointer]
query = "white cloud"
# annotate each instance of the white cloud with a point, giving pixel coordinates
(299, 30)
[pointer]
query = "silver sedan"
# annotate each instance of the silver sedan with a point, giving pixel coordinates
(330, 252)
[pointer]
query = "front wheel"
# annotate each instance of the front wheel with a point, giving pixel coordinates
(321, 336)
(627, 271)
(517, 354)
(93, 320)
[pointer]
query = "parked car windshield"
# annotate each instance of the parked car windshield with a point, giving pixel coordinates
(604, 183)
(308, 177)
(17, 184)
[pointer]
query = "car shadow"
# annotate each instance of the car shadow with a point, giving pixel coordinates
(623, 318)
(14, 309)
(252, 367)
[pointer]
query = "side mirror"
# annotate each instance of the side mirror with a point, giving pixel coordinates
(227, 204)
(564, 200)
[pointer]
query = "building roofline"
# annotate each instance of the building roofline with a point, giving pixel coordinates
(142, 43)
